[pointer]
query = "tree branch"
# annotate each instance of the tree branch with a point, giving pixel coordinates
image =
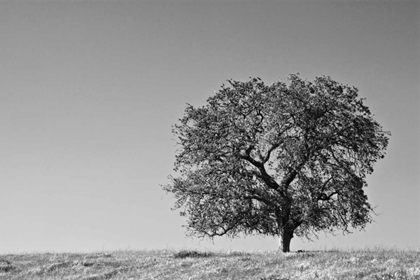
(325, 197)
(268, 180)
(267, 156)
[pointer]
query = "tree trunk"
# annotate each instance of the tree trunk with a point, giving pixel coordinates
(285, 238)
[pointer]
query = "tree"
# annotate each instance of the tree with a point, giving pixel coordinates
(281, 160)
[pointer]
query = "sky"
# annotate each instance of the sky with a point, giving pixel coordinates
(89, 91)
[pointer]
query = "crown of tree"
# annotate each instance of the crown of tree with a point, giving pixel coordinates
(280, 160)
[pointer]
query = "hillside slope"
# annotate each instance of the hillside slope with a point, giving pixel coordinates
(167, 264)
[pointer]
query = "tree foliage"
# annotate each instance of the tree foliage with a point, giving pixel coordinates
(289, 158)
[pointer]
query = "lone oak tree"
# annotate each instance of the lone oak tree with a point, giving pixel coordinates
(281, 160)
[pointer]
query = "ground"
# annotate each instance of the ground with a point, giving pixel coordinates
(191, 264)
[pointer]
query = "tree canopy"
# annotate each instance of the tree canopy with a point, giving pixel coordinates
(280, 160)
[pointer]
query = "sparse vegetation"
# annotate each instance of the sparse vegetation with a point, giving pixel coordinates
(191, 254)
(378, 264)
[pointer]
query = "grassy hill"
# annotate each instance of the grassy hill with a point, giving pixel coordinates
(166, 264)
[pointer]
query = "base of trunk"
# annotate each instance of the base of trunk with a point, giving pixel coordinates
(285, 239)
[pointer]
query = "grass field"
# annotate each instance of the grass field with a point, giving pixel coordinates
(188, 264)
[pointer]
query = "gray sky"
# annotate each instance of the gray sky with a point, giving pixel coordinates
(89, 91)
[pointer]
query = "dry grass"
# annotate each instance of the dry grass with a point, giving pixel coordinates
(189, 264)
